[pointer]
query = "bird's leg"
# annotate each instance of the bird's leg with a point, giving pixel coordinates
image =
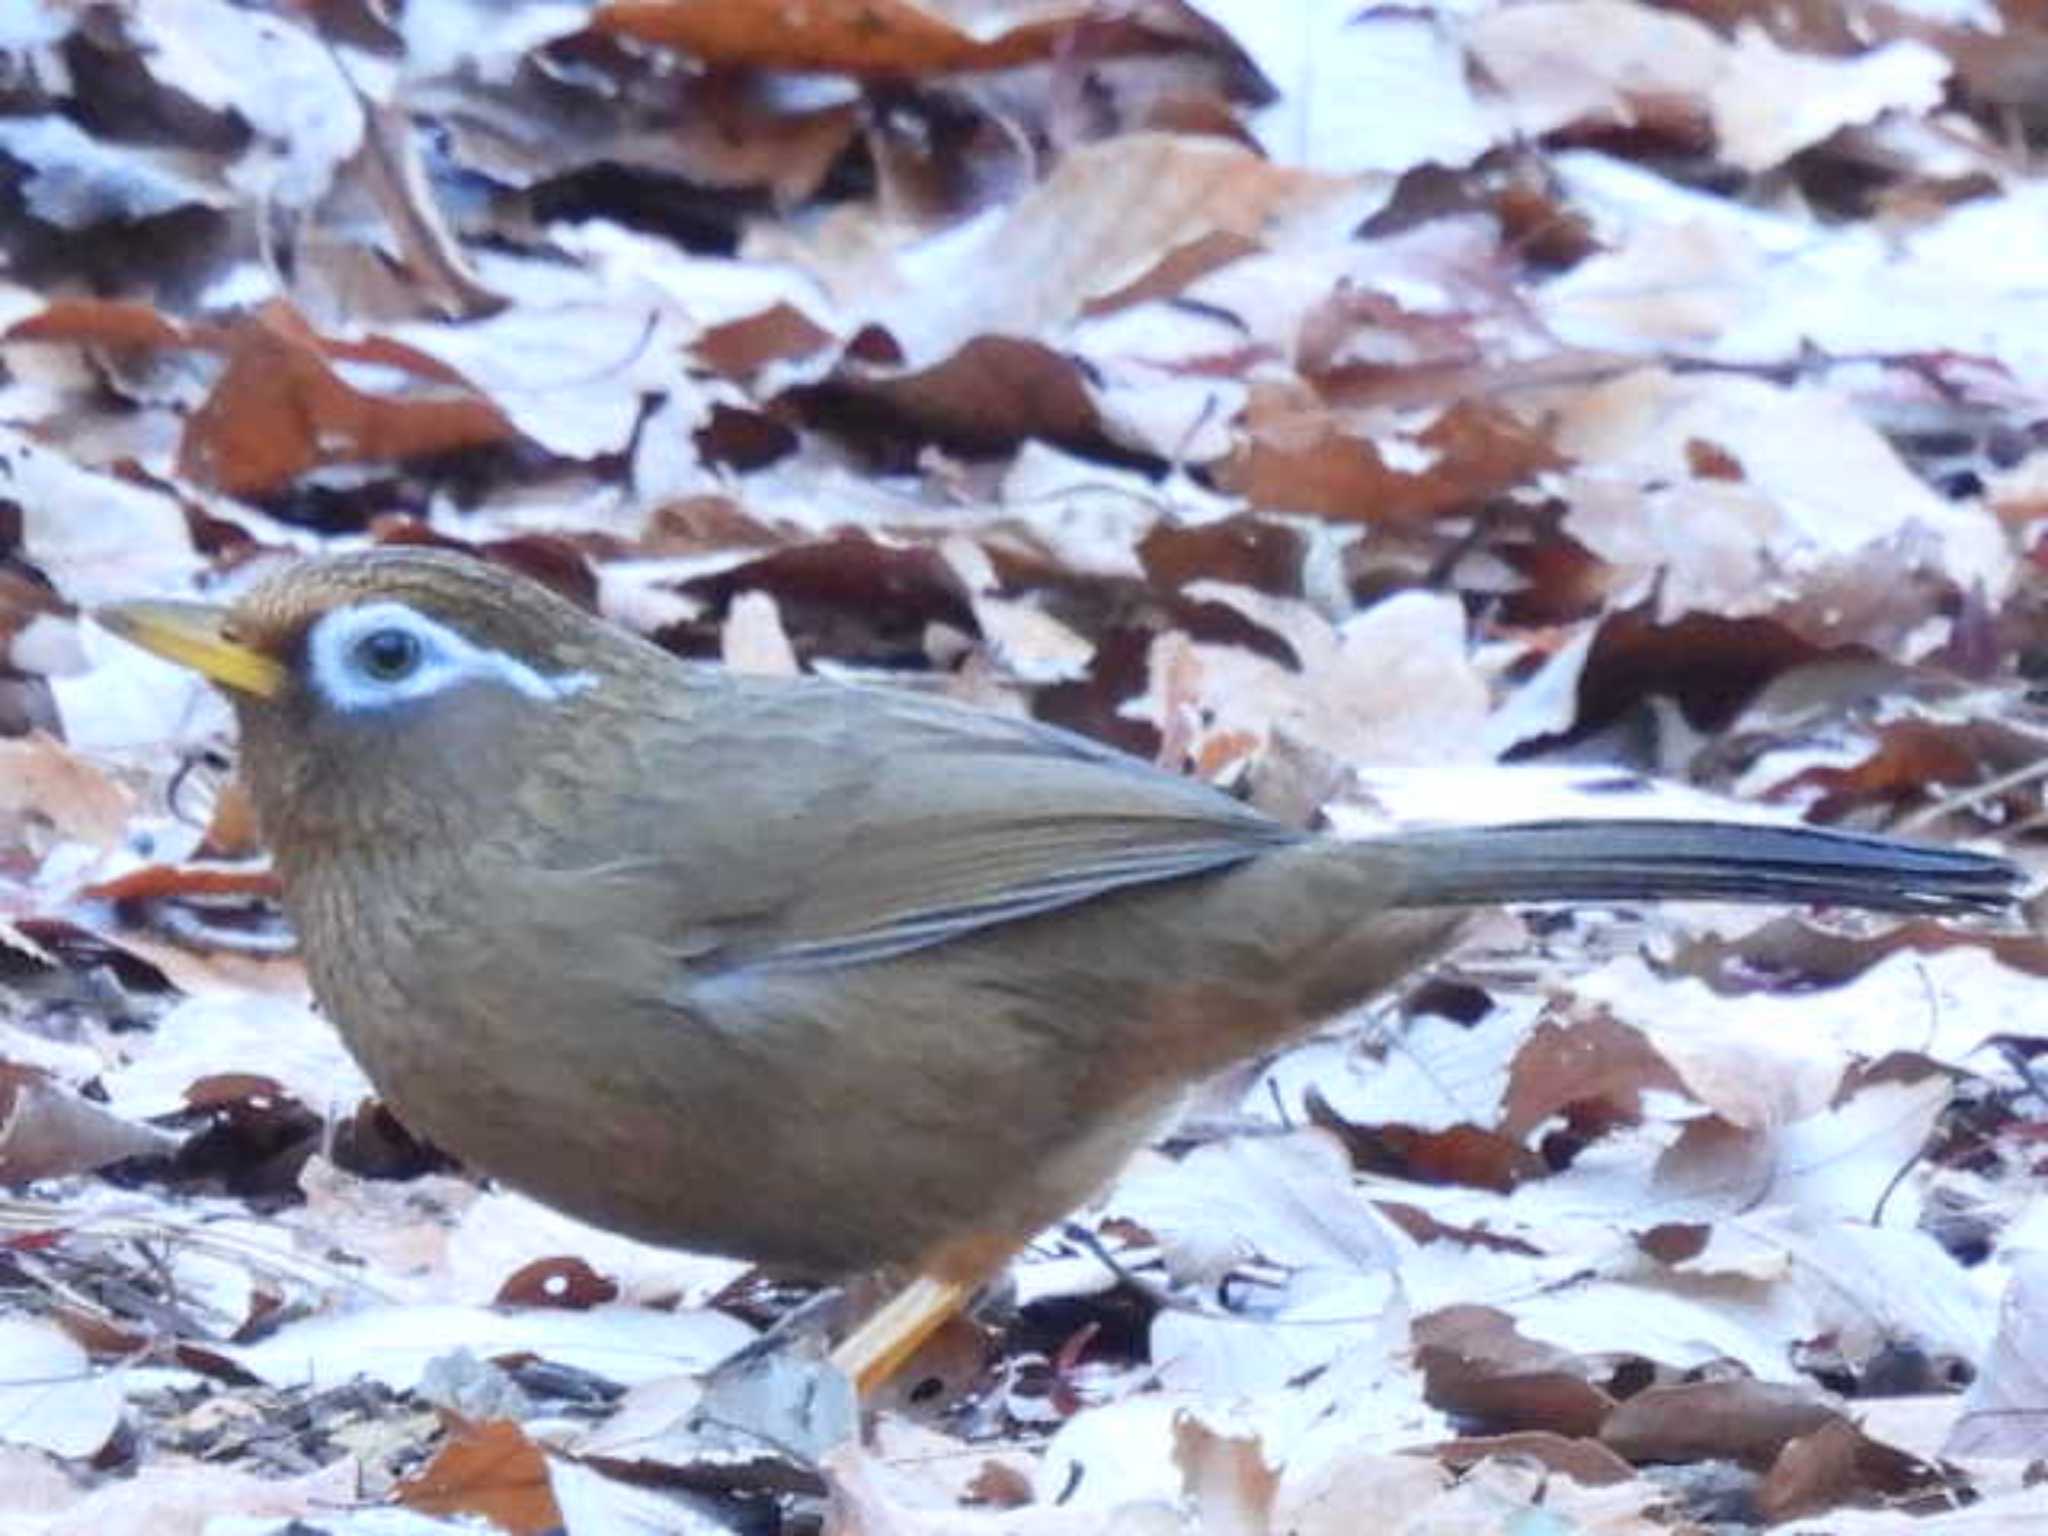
(946, 1282)
(878, 1348)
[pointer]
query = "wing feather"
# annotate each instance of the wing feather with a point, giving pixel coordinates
(923, 822)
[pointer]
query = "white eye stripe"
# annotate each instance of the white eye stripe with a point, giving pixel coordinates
(445, 659)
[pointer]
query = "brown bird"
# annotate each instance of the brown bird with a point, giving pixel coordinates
(825, 977)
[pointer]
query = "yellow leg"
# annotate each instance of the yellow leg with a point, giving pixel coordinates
(877, 1349)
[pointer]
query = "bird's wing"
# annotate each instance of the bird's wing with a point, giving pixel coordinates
(833, 825)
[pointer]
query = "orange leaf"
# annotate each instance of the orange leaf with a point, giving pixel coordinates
(491, 1470)
(104, 322)
(1301, 455)
(156, 881)
(856, 37)
(279, 409)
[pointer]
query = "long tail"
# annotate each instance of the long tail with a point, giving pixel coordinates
(1592, 860)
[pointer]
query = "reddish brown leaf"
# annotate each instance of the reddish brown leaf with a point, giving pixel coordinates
(1588, 1059)
(993, 393)
(46, 784)
(1835, 1465)
(1712, 666)
(564, 1282)
(1674, 1242)
(894, 37)
(225, 1088)
(1465, 1155)
(100, 322)
(1745, 1421)
(739, 349)
(1299, 455)
(1246, 551)
(159, 881)
(1475, 1362)
(1583, 1461)
(491, 1470)
(1913, 758)
(890, 37)
(280, 408)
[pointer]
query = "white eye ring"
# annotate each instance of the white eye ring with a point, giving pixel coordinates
(419, 658)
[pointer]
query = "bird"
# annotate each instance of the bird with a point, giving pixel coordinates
(833, 978)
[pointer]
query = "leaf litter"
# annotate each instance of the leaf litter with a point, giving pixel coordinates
(1335, 404)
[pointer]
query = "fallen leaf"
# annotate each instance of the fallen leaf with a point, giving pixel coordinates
(880, 37)
(492, 1470)
(46, 1131)
(282, 406)
(1477, 1363)
(1745, 1421)
(2005, 1412)
(45, 782)
(51, 1396)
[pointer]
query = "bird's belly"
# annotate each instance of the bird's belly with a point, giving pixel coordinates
(821, 1120)
(779, 1140)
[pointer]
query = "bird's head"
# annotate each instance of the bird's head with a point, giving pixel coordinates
(377, 689)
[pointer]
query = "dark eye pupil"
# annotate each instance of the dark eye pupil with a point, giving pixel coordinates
(388, 654)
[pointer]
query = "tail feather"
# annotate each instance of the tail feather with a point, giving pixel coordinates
(1579, 861)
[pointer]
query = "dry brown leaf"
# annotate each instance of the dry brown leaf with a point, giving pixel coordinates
(1746, 1421)
(399, 1228)
(1584, 1061)
(1358, 1490)
(1226, 1478)
(100, 322)
(993, 393)
(1839, 1464)
(1096, 232)
(1300, 455)
(855, 596)
(1911, 762)
(1395, 685)
(1458, 1154)
(1583, 1461)
(741, 349)
(1769, 103)
(492, 1470)
(561, 1281)
(155, 882)
(47, 1131)
(280, 408)
(876, 37)
(1560, 63)
(1379, 89)
(1476, 1363)
(1825, 512)
(45, 784)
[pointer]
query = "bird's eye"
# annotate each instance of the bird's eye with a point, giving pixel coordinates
(389, 655)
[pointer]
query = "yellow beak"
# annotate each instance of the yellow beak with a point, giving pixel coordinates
(192, 635)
